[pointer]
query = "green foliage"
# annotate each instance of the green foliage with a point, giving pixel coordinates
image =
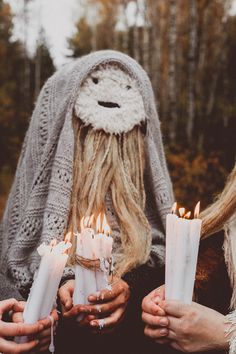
(17, 95)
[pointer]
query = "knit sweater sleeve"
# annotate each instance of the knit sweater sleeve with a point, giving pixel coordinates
(8, 290)
(230, 333)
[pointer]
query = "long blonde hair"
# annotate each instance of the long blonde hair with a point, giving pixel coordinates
(215, 216)
(107, 162)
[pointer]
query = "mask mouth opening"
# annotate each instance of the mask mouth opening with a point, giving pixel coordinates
(108, 104)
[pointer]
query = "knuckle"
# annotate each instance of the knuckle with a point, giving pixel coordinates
(185, 328)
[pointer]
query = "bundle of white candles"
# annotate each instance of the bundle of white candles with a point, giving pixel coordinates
(92, 246)
(182, 244)
(43, 292)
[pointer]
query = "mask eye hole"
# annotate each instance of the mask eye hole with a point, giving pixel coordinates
(95, 80)
(128, 87)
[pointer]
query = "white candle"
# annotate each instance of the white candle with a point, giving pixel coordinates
(44, 289)
(46, 281)
(194, 240)
(170, 252)
(79, 294)
(89, 252)
(181, 250)
(182, 244)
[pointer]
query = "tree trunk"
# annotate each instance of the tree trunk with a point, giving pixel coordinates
(172, 70)
(191, 68)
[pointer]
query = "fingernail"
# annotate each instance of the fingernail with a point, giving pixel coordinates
(92, 298)
(157, 299)
(163, 322)
(93, 323)
(163, 332)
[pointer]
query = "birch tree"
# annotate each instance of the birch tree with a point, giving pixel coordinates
(172, 69)
(191, 67)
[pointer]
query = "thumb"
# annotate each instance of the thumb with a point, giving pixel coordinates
(65, 295)
(7, 305)
(174, 308)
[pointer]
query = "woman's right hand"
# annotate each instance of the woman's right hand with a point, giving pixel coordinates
(69, 311)
(16, 329)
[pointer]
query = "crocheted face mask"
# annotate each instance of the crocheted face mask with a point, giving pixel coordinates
(109, 100)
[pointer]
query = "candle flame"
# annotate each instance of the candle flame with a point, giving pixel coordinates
(68, 237)
(181, 212)
(197, 210)
(86, 221)
(105, 227)
(187, 215)
(174, 208)
(53, 243)
(98, 223)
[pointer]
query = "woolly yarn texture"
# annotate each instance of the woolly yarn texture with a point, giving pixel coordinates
(39, 202)
(109, 99)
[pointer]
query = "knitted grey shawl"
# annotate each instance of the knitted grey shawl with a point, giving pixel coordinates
(39, 201)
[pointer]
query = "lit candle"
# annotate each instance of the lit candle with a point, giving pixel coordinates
(182, 244)
(194, 241)
(94, 249)
(47, 279)
(43, 292)
(104, 248)
(170, 251)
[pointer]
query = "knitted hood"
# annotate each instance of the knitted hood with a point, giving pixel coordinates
(39, 201)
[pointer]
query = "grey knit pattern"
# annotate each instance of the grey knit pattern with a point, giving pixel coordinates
(38, 205)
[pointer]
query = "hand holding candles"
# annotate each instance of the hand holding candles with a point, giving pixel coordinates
(182, 243)
(44, 289)
(93, 255)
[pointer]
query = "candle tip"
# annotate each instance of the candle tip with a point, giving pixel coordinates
(181, 212)
(174, 208)
(197, 210)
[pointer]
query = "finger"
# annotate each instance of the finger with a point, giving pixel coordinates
(19, 329)
(73, 312)
(155, 333)
(47, 322)
(65, 294)
(9, 347)
(149, 306)
(174, 324)
(44, 333)
(19, 306)
(176, 346)
(85, 322)
(174, 308)
(107, 295)
(44, 341)
(110, 321)
(17, 317)
(43, 349)
(159, 294)
(163, 341)
(7, 305)
(155, 320)
(105, 308)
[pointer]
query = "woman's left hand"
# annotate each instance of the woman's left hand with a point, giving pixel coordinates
(193, 328)
(44, 337)
(107, 305)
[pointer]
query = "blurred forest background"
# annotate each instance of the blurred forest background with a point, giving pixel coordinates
(188, 48)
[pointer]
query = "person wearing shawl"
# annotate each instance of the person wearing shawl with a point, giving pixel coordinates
(93, 145)
(197, 328)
